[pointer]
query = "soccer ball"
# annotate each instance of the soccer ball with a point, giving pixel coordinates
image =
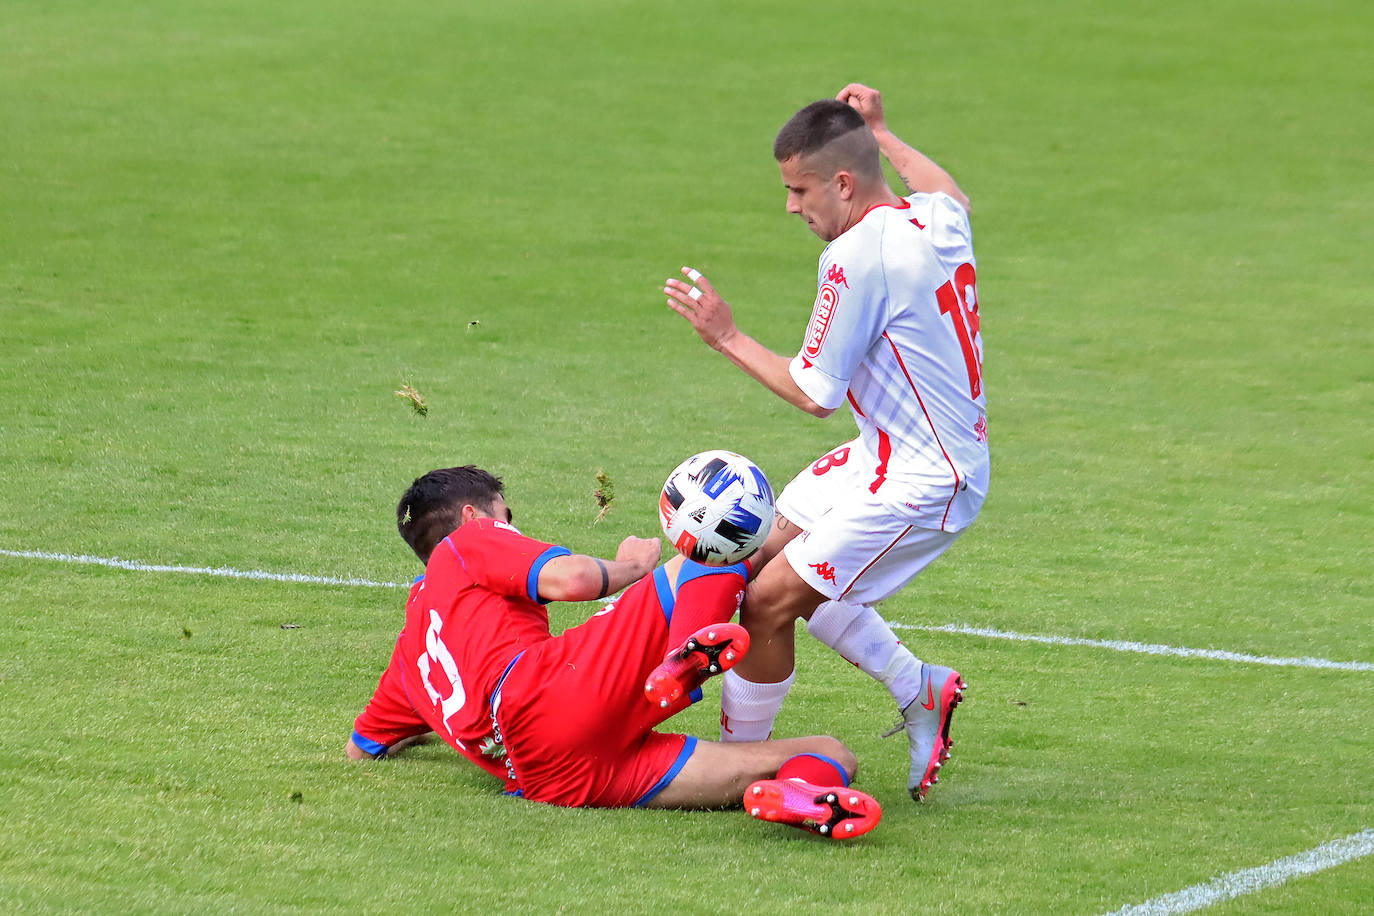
(716, 508)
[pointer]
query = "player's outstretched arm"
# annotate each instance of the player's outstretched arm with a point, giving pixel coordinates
(918, 171)
(578, 577)
(353, 752)
(712, 319)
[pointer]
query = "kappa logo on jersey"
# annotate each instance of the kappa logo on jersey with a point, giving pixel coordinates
(826, 300)
(836, 276)
(824, 570)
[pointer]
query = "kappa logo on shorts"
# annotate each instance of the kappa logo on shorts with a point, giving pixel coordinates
(824, 570)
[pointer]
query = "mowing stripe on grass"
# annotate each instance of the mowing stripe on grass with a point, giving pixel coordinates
(1249, 880)
(1146, 648)
(1113, 644)
(225, 571)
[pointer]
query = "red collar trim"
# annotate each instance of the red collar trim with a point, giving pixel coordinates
(904, 205)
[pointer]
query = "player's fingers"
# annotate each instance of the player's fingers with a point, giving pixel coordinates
(684, 302)
(681, 310)
(696, 277)
(679, 289)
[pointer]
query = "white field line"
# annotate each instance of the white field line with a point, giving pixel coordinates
(225, 571)
(1114, 645)
(1249, 880)
(1146, 648)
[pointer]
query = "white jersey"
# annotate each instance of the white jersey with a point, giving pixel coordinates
(895, 331)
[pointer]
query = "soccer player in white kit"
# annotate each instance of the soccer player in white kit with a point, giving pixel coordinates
(894, 331)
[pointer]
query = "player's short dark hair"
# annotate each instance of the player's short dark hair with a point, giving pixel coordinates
(833, 136)
(433, 506)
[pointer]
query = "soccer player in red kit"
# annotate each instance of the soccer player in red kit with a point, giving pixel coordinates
(570, 719)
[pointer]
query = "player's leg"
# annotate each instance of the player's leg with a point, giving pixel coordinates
(705, 652)
(716, 774)
(753, 694)
(926, 694)
(803, 782)
(856, 553)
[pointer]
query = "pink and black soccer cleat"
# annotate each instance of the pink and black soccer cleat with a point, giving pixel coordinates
(706, 653)
(926, 722)
(830, 811)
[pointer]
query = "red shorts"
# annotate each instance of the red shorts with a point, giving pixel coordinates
(576, 724)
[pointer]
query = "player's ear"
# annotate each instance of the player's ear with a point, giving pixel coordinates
(845, 183)
(468, 513)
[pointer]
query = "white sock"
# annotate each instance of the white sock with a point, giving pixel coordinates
(748, 708)
(864, 639)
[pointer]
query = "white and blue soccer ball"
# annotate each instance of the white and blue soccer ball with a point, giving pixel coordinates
(716, 508)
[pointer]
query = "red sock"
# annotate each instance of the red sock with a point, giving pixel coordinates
(816, 769)
(706, 595)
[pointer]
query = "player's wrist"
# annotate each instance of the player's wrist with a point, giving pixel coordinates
(728, 342)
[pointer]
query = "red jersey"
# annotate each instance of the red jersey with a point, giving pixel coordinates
(577, 729)
(475, 609)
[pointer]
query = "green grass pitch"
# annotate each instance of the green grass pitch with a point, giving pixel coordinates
(231, 230)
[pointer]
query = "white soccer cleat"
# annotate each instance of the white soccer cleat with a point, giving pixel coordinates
(926, 722)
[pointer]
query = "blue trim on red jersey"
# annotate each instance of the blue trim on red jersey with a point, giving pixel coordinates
(532, 581)
(688, 748)
(666, 598)
(419, 578)
(368, 746)
(694, 570)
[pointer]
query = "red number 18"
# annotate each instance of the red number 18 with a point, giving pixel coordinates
(959, 300)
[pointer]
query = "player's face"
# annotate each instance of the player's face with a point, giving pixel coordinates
(500, 511)
(497, 510)
(814, 199)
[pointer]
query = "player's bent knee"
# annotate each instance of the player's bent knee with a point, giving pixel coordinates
(836, 750)
(778, 597)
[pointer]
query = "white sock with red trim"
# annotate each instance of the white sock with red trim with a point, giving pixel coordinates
(863, 638)
(748, 708)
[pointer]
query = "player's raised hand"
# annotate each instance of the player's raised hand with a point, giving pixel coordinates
(701, 305)
(867, 101)
(642, 552)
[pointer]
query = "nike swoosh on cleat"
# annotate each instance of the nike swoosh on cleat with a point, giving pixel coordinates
(929, 701)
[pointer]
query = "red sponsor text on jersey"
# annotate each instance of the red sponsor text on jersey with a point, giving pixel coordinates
(826, 300)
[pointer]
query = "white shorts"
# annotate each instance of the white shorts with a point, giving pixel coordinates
(852, 546)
